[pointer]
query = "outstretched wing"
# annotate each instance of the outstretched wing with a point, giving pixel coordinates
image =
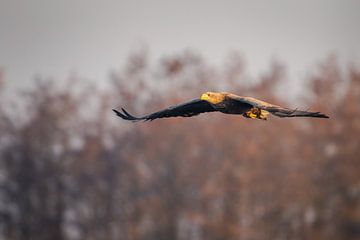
(187, 109)
(277, 110)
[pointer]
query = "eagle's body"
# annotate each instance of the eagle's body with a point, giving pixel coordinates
(226, 103)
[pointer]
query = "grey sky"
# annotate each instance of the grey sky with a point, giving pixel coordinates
(53, 38)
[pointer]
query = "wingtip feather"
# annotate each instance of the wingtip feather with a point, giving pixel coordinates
(126, 116)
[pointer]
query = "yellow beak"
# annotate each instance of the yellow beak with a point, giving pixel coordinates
(205, 97)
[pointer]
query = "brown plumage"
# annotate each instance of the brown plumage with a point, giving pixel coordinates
(226, 103)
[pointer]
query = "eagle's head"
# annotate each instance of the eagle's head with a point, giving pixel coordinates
(213, 97)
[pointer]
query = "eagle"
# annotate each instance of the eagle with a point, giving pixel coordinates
(223, 102)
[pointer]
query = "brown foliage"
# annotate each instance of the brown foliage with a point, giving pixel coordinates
(72, 170)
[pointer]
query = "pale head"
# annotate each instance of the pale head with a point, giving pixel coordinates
(213, 97)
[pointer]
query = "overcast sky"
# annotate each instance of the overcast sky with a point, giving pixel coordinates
(54, 38)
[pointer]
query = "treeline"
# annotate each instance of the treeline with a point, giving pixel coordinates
(69, 169)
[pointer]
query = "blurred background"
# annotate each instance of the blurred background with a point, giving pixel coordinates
(70, 169)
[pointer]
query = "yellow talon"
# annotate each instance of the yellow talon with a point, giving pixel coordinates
(252, 115)
(257, 113)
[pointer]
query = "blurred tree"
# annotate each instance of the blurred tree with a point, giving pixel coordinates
(71, 170)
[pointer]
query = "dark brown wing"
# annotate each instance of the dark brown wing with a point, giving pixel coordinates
(187, 109)
(277, 110)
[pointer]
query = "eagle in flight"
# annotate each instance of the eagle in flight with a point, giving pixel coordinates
(227, 103)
